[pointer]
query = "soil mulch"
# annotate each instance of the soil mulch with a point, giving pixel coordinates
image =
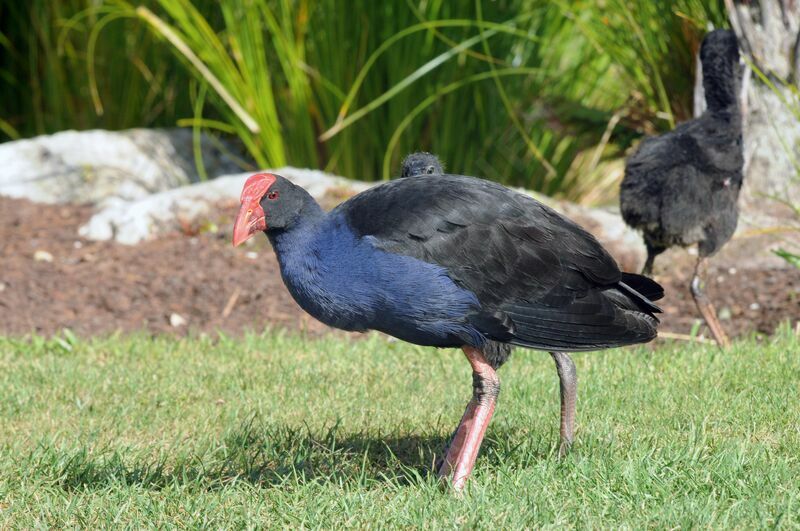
(51, 279)
(101, 287)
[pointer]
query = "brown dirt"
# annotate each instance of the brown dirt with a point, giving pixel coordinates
(751, 300)
(101, 287)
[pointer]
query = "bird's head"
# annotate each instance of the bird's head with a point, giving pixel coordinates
(720, 44)
(421, 163)
(268, 202)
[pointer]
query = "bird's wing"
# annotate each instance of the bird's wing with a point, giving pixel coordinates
(678, 147)
(665, 182)
(541, 279)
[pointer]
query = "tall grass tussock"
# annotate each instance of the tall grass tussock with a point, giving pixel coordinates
(535, 93)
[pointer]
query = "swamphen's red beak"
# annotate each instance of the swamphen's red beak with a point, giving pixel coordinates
(249, 221)
(251, 217)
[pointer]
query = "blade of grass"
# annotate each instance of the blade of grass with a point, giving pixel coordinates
(427, 102)
(169, 34)
(344, 121)
(196, 137)
(9, 130)
(507, 103)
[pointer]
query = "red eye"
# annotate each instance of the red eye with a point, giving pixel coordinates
(273, 195)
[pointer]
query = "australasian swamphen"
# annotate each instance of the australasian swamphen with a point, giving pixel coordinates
(681, 188)
(424, 163)
(450, 262)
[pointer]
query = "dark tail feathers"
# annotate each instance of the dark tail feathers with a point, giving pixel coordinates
(642, 289)
(646, 286)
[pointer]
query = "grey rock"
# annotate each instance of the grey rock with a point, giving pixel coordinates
(133, 221)
(93, 166)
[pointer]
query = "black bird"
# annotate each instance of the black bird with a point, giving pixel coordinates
(423, 163)
(450, 262)
(681, 188)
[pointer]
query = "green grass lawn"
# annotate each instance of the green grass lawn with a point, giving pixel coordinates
(285, 431)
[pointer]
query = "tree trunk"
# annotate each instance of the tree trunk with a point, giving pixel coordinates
(769, 36)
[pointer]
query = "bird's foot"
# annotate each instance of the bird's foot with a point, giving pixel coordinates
(564, 448)
(707, 310)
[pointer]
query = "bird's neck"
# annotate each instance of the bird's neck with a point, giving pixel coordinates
(295, 238)
(721, 86)
(320, 268)
(724, 123)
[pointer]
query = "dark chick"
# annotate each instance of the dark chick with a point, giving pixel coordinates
(450, 262)
(681, 188)
(422, 163)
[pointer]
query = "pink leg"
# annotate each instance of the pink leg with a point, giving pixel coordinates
(463, 451)
(706, 308)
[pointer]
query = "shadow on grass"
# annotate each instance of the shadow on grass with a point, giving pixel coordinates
(265, 455)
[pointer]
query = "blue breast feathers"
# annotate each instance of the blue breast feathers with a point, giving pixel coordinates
(349, 283)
